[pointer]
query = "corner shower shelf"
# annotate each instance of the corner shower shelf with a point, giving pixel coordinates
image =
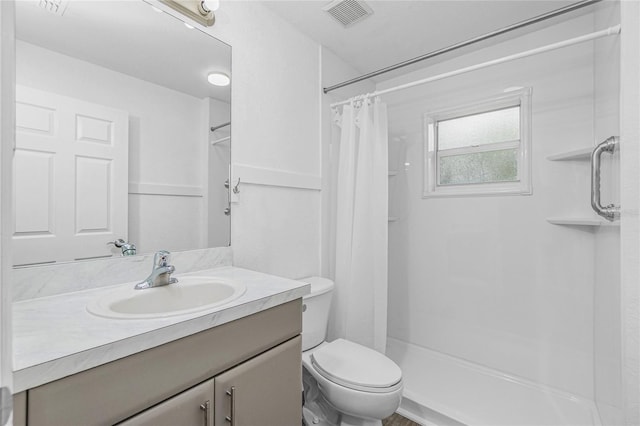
(217, 141)
(392, 219)
(576, 154)
(393, 173)
(579, 221)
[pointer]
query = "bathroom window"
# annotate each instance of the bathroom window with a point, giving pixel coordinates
(479, 149)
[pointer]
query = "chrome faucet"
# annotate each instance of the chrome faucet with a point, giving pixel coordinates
(160, 273)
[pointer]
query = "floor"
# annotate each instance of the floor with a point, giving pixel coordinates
(398, 420)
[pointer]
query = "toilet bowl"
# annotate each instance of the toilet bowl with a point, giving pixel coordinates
(361, 384)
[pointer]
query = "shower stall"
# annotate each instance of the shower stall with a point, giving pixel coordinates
(504, 305)
(506, 301)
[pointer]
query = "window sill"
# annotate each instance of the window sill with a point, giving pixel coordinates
(480, 190)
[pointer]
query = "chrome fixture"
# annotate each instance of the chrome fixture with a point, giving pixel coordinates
(236, 187)
(220, 126)
(610, 212)
(206, 408)
(231, 418)
(199, 11)
(160, 272)
(128, 249)
(548, 15)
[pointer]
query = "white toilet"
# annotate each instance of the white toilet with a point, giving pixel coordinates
(362, 385)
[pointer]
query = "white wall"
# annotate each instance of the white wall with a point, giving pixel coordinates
(630, 201)
(275, 126)
(607, 306)
(166, 141)
(7, 142)
(487, 279)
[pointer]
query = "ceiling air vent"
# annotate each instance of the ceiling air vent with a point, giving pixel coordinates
(348, 12)
(57, 7)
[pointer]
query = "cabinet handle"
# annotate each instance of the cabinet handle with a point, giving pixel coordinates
(231, 418)
(206, 407)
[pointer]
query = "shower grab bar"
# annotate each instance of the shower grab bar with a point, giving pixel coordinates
(610, 212)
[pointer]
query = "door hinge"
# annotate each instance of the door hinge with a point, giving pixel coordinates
(6, 405)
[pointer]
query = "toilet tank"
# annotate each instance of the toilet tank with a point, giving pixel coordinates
(315, 311)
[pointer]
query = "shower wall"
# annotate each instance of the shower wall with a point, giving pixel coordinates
(488, 279)
(607, 306)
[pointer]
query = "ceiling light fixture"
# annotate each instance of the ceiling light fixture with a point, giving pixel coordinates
(198, 10)
(218, 79)
(210, 5)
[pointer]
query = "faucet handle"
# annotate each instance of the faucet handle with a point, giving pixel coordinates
(161, 258)
(118, 243)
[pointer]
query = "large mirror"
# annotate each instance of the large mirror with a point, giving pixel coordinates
(114, 139)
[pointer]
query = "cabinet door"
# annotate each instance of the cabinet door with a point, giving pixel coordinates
(193, 407)
(264, 391)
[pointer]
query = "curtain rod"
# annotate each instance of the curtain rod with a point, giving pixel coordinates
(220, 126)
(587, 37)
(452, 47)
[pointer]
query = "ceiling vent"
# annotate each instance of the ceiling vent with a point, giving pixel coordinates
(348, 12)
(57, 7)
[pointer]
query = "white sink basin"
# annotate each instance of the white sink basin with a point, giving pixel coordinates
(188, 295)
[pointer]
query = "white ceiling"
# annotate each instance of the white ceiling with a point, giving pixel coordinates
(400, 30)
(131, 38)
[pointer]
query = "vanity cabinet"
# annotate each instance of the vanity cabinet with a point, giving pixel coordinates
(258, 356)
(262, 391)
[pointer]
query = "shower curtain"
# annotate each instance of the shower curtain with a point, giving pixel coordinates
(360, 226)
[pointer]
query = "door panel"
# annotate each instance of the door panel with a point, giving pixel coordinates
(70, 178)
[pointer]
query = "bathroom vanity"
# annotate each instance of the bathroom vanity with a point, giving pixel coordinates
(239, 364)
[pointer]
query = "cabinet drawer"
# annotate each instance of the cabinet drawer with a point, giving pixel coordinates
(193, 407)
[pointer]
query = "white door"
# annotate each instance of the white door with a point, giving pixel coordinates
(70, 178)
(7, 82)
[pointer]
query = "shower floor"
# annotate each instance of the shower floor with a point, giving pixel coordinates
(447, 391)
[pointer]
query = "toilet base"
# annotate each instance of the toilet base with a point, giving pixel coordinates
(347, 420)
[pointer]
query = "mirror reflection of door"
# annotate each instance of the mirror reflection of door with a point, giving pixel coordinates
(70, 178)
(125, 55)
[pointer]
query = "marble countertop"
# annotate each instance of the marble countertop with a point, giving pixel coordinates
(55, 336)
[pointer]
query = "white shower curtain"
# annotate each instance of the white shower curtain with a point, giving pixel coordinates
(360, 226)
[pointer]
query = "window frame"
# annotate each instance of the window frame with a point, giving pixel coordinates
(521, 186)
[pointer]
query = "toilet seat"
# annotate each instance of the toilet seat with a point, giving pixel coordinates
(356, 367)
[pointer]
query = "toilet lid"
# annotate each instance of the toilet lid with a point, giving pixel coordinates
(355, 366)
(318, 285)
